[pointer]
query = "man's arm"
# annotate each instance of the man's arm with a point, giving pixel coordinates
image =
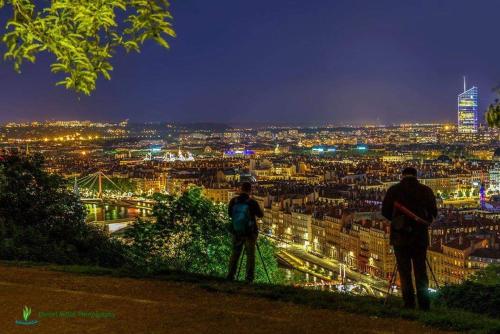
(388, 204)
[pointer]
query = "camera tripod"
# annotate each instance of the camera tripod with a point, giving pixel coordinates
(261, 260)
(390, 289)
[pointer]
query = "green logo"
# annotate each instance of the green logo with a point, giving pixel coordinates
(26, 316)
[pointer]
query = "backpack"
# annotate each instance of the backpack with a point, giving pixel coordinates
(242, 223)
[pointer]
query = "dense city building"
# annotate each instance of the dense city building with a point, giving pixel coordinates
(320, 187)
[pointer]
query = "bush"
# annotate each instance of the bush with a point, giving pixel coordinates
(480, 294)
(40, 220)
(190, 235)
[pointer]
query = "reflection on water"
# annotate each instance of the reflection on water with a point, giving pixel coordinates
(112, 212)
(297, 277)
(293, 276)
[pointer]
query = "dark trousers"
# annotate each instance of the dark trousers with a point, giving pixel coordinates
(249, 243)
(416, 256)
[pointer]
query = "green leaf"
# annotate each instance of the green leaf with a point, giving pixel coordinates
(82, 34)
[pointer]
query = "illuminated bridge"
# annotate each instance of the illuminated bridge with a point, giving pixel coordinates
(99, 190)
(86, 186)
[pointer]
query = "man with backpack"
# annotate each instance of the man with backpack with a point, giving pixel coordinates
(244, 212)
(411, 207)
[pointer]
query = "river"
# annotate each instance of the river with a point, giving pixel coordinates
(111, 212)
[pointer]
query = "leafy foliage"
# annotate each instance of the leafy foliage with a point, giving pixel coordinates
(492, 115)
(479, 294)
(190, 235)
(488, 276)
(40, 220)
(83, 35)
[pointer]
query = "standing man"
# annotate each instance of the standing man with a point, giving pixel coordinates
(244, 211)
(411, 206)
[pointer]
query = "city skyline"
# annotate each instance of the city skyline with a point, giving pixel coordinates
(193, 125)
(239, 63)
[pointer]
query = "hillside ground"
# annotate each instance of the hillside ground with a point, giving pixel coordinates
(65, 302)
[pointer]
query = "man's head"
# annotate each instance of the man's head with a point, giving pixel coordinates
(246, 187)
(409, 172)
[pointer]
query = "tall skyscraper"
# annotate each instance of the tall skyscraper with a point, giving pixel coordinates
(468, 104)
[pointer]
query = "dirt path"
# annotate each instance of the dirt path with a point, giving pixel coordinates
(149, 306)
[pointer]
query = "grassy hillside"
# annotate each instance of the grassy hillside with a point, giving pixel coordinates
(372, 308)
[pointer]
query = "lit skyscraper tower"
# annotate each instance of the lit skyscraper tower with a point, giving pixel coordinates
(467, 110)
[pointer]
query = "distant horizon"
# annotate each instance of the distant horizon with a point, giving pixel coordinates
(98, 119)
(253, 124)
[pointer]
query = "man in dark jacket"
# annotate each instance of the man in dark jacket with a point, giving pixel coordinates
(410, 237)
(248, 239)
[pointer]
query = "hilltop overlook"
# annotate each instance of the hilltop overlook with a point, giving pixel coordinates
(159, 306)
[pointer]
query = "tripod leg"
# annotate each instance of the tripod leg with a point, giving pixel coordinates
(263, 264)
(391, 283)
(432, 273)
(241, 263)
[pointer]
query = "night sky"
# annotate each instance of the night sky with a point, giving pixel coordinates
(286, 61)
